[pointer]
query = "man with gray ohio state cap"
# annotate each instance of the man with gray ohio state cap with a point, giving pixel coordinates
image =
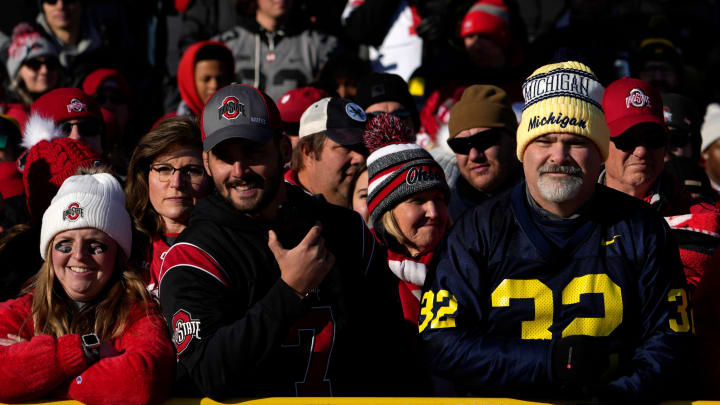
(253, 289)
(330, 150)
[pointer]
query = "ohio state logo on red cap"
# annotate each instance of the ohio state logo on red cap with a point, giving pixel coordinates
(76, 106)
(231, 108)
(72, 212)
(184, 330)
(637, 98)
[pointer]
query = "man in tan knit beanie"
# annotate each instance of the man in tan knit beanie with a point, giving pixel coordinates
(482, 135)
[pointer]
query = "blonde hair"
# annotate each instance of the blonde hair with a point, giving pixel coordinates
(55, 314)
(393, 229)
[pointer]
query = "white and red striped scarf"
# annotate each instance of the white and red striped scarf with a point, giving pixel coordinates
(411, 273)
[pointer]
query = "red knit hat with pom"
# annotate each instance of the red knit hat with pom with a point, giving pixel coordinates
(397, 166)
(47, 165)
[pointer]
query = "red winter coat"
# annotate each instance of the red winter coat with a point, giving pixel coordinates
(44, 366)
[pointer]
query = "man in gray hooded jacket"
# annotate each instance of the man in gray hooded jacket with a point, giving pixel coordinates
(274, 56)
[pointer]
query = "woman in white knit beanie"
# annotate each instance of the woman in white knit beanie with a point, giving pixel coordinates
(86, 328)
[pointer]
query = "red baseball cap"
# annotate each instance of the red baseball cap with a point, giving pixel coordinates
(65, 104)
(628, 102)
(293, 103)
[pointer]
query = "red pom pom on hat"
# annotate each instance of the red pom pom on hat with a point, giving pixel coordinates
(47, 165)
(386, 129)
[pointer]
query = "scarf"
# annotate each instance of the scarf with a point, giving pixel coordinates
(411, 273)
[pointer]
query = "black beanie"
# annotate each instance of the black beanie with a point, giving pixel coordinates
(380, 87)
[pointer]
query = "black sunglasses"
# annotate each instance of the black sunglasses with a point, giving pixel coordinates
(480, 141)
(402, 114)
(35, 64)
(85, 128)
(628, 142)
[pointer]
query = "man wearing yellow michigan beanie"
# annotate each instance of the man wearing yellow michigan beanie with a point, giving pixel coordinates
(563, 98)
(557, 287)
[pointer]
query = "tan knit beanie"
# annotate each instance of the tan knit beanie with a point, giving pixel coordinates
(482, 105)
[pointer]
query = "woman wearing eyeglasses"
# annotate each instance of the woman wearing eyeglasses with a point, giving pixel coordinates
(165, 179)
(86, 328)
(407, 203)
(33, 70)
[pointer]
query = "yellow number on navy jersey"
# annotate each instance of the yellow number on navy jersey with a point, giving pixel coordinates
(441, 319)
(679, 295)
(426, 314)
(612, 299)
(539, 326)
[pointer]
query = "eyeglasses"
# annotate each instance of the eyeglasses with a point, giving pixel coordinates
(35, 64)
(195, 173)
(629, 141)
(480, 141)
(402, 114)
(85, 128)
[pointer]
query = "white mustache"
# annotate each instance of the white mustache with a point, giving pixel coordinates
(564, 169)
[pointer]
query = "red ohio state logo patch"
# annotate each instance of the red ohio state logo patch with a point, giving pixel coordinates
(184, 330)
(76, 106)
(72, 212)
(637, 98)
(231, 108)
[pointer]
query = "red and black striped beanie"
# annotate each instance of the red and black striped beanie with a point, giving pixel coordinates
(397, 166)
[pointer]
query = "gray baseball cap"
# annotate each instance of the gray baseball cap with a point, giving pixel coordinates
(239, 111)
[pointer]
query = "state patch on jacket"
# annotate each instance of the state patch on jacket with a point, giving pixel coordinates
(240, 330)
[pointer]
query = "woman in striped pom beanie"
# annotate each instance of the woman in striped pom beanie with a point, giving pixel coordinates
(407, 201)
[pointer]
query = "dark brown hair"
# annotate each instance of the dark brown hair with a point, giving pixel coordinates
(174, 131)
(313, 143)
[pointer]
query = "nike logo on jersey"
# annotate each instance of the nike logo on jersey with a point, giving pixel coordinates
(610, 241)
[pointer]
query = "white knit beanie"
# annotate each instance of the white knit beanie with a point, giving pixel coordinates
(88, 201)
(710, 130)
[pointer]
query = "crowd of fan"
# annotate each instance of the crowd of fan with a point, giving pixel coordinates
(379, 198)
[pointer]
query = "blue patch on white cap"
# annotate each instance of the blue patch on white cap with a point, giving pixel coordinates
(355, 112)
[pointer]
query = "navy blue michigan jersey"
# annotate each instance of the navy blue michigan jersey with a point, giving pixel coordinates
(502, 294)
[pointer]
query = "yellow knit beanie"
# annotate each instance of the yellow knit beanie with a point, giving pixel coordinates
(563, 98)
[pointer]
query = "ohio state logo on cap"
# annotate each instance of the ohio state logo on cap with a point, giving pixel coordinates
(231, 108)
(76, 106)
(637, 98)
(72, 212)
(184, 330)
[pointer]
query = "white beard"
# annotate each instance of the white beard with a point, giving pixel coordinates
(559, 190)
